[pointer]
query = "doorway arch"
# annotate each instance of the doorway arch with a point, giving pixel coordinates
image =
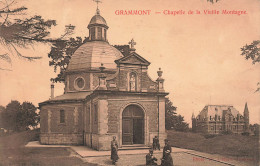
(132, 125)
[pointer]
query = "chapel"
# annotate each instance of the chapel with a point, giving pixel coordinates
(107, 93)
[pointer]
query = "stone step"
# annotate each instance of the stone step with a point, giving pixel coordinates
(134, 147)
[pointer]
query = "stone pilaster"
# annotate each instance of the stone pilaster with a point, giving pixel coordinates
(76, 119)
(162, 115)
(49, 121)
(162, 134)
(103, 117)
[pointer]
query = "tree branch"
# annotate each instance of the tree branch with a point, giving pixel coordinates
(26, 57)
(40, 39)
(7, 5)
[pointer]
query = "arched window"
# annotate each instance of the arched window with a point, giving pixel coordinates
(99, 33)
(92, 33)
(132, 82)
(62, 116)
(105, 34)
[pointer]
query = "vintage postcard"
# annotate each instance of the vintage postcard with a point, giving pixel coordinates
(129, 82)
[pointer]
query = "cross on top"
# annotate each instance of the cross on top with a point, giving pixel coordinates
(132, 43)
(97, 1)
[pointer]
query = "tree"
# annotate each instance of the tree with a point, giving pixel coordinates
(2, 108)
(172, 120)
(10, 115)
(60, 54)
(27, 116)
(18, 33)
(254, 128)
(179, 124)
(19, 117)
(252, 51)
(170, 112)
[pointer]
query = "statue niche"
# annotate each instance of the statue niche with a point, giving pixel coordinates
(132, 82)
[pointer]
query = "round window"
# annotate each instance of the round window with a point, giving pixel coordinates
(79, 83)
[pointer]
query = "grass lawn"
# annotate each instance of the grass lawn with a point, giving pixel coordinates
(231, 145)
(13, 152)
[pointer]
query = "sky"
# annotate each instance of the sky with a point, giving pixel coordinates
(199, 53)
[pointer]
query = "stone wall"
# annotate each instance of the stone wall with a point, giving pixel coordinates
(55, 132)
(148, 83)
(118, 103)
(71, 80)
(61, 139)
(110, 109)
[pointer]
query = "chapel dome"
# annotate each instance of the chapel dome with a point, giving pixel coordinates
(97, 19)
(91, 54)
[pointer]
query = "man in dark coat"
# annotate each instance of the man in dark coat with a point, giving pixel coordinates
(167, 158)
(156, 144)
(114, 149)
(150, 159)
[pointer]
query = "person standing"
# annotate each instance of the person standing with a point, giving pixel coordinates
(156, 144)
(167, 158)
(114, 150)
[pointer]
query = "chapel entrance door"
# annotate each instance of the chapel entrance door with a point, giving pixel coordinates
(133, 125)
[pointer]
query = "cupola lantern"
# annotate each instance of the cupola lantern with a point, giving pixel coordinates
(97, 26)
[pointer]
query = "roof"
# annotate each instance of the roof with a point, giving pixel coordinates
(91, 54)
(71, 96)
(97, 20)
(133, 58)
(212, 110)
(68, 97)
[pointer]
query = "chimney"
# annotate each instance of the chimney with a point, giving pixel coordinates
(52, 90)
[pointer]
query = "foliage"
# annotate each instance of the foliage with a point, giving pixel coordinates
(60, 54)
(172, 120)
(28, 116)
(254, 128)
(20, 33)
(2, 108)
(10, 115)
(227, 132)
(245, 133)
(252, 51)
(170, 112)
(19, 117)
(180, 125)
(207, 136)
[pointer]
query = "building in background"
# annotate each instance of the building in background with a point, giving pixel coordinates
(217, 119)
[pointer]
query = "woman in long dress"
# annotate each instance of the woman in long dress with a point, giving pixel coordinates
(114, 149)
(167, 158)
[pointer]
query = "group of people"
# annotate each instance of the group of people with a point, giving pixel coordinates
(166, 159)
